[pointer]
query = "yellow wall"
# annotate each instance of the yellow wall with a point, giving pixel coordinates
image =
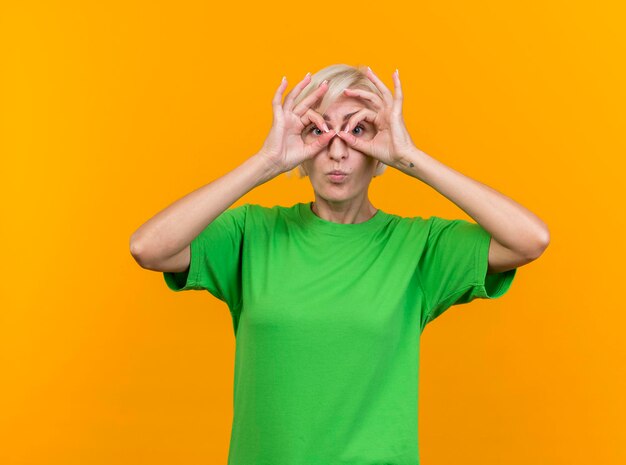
(110, 111)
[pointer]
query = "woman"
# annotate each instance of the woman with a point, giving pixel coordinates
(329, 298)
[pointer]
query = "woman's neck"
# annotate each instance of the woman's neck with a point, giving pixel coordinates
(346, 212)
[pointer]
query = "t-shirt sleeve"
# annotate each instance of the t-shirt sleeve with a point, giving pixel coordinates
(453, 266)
(215, 263)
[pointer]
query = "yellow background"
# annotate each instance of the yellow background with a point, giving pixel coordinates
(111, 111)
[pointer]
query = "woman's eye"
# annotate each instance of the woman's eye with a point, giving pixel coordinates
(359, 127)
(314, 128)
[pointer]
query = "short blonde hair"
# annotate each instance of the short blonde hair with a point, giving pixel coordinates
(340, 77)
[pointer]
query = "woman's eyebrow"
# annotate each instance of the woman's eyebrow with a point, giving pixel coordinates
(325, 116)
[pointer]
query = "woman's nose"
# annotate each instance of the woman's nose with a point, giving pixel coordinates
(337, 148)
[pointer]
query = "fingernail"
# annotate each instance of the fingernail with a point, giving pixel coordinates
(307, 75)
(326, 128)
(369, 68)
(323, 82)
(397, 72)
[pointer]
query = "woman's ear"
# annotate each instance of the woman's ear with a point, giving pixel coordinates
(380, 168)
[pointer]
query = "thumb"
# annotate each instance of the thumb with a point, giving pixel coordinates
(354, 142)
(315, 147)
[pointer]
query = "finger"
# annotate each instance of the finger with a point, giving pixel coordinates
(278, 96)
(356, 143)
(291, 96)
(315, 117)
(364, 114)
(306, 103)
(398, 96)
(380, 85)
(375, 100)
(315, 147)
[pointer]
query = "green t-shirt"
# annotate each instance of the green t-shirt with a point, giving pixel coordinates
(327, 319)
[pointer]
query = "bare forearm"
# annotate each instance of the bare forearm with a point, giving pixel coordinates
(172, 229)
(510, 223)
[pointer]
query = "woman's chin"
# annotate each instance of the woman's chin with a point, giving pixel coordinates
(331, 195)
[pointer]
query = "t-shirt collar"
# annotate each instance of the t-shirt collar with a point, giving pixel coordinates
(310, 219)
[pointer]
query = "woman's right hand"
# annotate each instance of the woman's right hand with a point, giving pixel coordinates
(284, 147)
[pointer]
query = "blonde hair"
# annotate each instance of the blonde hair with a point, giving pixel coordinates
(340, 77)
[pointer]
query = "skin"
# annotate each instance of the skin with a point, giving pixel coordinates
(518, 235)
(375, 134)
(300, 136)
(343, 201)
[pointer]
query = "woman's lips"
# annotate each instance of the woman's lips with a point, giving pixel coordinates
(337, 177)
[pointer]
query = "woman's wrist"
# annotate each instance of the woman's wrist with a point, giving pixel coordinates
(267, 168)
(411, 161)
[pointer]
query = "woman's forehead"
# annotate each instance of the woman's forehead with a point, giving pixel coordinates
(345, 105)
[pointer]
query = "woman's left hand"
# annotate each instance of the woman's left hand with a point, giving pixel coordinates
(392, 140)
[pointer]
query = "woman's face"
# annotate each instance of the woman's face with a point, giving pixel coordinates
(338, 155)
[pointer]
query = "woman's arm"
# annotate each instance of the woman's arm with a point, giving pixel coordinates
(520, 235)
(171, 230)
(161, 241)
